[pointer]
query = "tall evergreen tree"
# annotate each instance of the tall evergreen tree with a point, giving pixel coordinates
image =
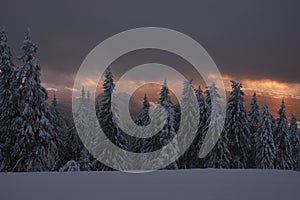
(60, 128)
(144, 118)
(207, 102)
(190, 111)
(219, 157)
(74, 145)
(108, 123)
(214, 119)
(197, 143)
(35, 146)
(168, 131)
(82, 119)
(104, 110)
(74, 148)
(284, 153)
(295, 140)
(265, 146)
(253, 125)
(237, 127)
(203, 107)
(7, 103)
(86, 107)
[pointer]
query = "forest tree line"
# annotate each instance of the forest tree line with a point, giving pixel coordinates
(34, 136)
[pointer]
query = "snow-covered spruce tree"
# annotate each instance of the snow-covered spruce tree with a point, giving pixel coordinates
(295, 140)
(187, 104)
(202, 110)
(74, 144)
(35, 146)
(264, 141)
(60, 128)
(253, 125)
(207, 101)
(219, 157)
(143, 118)
(237, 127)
(213, 97)
(108, 123)
(168, 131)
(81, 119)
(84, 123)
(207, 109)
(104, 110)
(84, 115)
(284, 152)
(195, 161)
(274, 126)
(7, 104)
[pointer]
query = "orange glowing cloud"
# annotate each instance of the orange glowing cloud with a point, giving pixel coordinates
(267, 87)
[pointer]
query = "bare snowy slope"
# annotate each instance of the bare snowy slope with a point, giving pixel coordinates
(191, 184)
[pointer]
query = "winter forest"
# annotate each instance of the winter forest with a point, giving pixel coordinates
(34, 136)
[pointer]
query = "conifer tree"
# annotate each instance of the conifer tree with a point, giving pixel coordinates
(253, 126)
(219, 157)
(109, 124)
(187, 106)
(7, 103)
(197, 143)
(168, 131)
(60, 128)
(74, 145)
(265, 146)
(104, 110)
(237, 128)
(35, 146)
(144, 118)
(284, 153)
(207, 103)
(84, 124)
(202, 110)
(295, 140)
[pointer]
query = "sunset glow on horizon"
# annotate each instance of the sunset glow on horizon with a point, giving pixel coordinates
(263, 87)
(267, 87)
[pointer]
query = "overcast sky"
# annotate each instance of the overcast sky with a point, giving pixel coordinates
(246, 39)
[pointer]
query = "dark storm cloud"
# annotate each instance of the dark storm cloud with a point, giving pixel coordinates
(251, 39)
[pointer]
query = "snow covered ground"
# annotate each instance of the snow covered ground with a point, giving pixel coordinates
(184, 184)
